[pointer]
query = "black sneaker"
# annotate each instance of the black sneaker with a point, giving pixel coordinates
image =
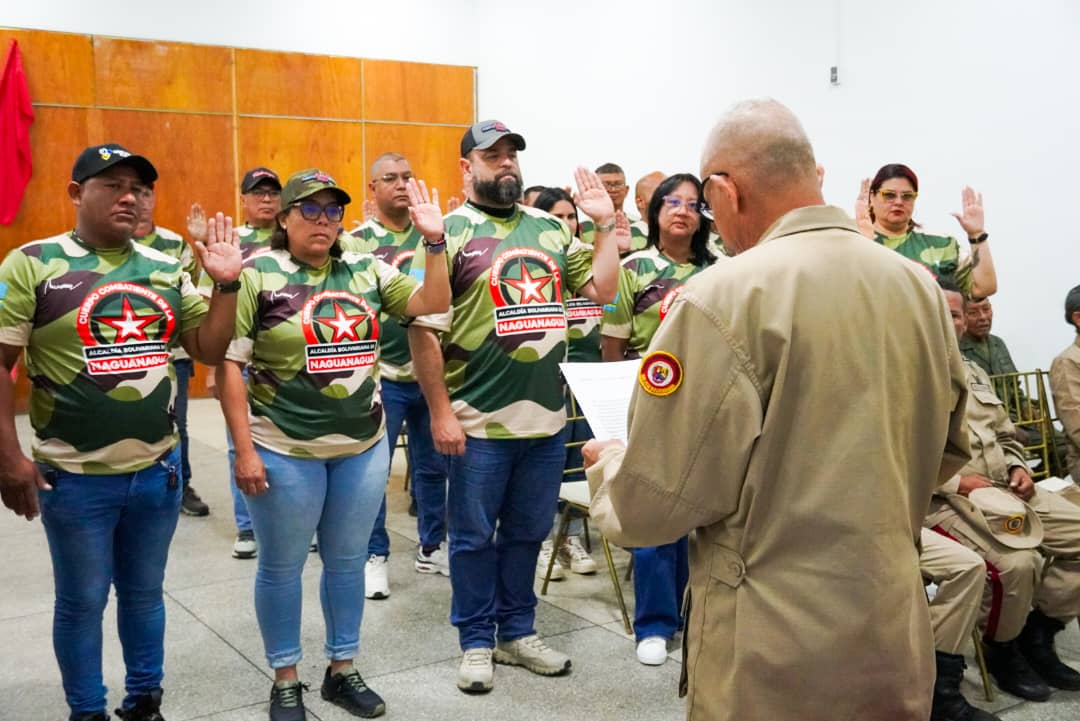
(192, 504)
(349, 691)
(146, 708)
(99, 716)
(287, 701)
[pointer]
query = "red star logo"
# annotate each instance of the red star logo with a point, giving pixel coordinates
(527, 286)
(344, 325)
(128, 325)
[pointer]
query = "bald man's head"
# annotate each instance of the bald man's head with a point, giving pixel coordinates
(757, 165)
(644, 189)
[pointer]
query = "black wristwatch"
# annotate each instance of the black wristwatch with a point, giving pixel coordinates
(981, 238)
(232, 287)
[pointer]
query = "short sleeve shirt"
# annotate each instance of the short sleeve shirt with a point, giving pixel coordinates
(311, 338)
(174, 246)
(639, 235)
(941, 254)
(505, 333)
(399, 249)
(98, 326)
(253, 241)
(649, 282)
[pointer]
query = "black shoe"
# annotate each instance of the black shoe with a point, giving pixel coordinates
(287, 702)
(192, 504)
(146, 708)
(99, 716)
(349, 691)
(1036, 642)
(949, 703)
(1011, 671)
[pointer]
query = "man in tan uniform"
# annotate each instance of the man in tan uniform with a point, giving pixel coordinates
(1018, 640)
(806, 598)
(1065, 385)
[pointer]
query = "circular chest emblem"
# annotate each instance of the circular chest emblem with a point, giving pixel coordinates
(341, 330)
(526, 287)
(125, 328)
(660, 373)
(1014, 524)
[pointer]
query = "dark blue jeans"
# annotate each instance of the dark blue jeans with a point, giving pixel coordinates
(404, 402)
(499, 512)
(110, 530)
(660, 576)
(184, 370)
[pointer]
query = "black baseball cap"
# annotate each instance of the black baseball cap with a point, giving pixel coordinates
(255, 176)
(98, 158)
(485, 134)
(1072, 304)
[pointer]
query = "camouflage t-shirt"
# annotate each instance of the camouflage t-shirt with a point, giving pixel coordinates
(639, 235)
(940, 254)
(252, 242)
(311, 339)
(172, 245)
(649, 282)
(399, 249)
(505, 333)
(97, 325)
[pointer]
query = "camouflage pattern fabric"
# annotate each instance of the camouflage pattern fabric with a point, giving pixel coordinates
(940, 254)
(173, 245)
(399, 249)
(252, 242)
(311, 338)
(505, 333)
(98, 326)
(649, 282)
(639, 235)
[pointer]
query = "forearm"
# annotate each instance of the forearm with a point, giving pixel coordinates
(211, 339)
(428, 367)
(605, 267)
(983, 274)
(234, 405)
(612, 349)
(10, 450)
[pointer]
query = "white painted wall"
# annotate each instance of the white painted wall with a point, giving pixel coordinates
(966, 92)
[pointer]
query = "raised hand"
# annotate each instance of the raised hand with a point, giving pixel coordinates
(453, 203)
(424, 211)
(369, 210)
(220, 254)
(862, 210)
(196, 223)
(971, 217)
(592, 198)
(622, 232)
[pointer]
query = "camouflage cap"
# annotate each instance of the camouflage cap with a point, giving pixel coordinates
(308, 182)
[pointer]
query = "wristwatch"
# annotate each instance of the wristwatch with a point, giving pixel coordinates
(606, 228)
(232, 287)
(981, 238)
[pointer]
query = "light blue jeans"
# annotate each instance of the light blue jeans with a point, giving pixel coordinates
(338, 498)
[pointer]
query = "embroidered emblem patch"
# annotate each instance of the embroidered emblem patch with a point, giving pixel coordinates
(1014, 524)
(660, 374)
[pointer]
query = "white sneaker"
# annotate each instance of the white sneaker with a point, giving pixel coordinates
(476, 672)
(573, 555)
(377, 577)
(244, 546)
(532, 653)
(652, 651)
(557, 571)
(438, 561)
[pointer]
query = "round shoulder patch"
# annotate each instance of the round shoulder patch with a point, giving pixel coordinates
(1014, 524)
(660, 373)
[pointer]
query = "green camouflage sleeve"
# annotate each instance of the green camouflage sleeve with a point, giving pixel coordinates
(395, 288)
(193, 307)
(619, 314)
(247, 302)
(579, 260)
(18, 300)
(443, 321)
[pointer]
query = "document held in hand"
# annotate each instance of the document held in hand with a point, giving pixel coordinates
(603, 392)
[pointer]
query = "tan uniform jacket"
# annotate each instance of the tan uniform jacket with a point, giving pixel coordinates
(1065, 387)
(822, 402)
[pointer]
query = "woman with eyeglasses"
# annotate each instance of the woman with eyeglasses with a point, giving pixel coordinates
(649, 281)
(884, 212)
(311, 453)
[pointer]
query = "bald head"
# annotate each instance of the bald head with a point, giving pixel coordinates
(644, 189)
(762, 166)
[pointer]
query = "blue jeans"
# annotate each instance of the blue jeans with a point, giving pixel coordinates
(339, 498)
(110, 530)
(239, 501)
(404, 402)
(184, 370)
(660, 575)
(508, 486)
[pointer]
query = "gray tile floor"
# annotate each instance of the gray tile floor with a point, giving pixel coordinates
(215, 670)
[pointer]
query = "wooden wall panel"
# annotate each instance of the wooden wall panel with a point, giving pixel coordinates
(295, 84)
(288, 145)
(163, 76)
(58, 66)
(418, 92)
(433, 152)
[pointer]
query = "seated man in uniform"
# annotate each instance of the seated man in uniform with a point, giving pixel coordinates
(1065, 385)
(1018, 639)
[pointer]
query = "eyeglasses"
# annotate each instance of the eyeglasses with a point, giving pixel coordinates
(613, 185)
(675, 203)
(890, 195)
(310, 210)
(703, 206)
(393, 178)
(265, 193)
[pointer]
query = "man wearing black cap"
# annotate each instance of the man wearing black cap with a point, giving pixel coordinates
(260, 201)
(1065, 385)
(98, 315)
(498, 411)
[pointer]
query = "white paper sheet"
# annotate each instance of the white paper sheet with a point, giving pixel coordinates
(603, 392)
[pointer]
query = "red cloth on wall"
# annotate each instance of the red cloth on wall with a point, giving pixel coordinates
(16, 116)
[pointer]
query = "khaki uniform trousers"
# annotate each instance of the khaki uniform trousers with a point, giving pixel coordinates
(960, 575)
